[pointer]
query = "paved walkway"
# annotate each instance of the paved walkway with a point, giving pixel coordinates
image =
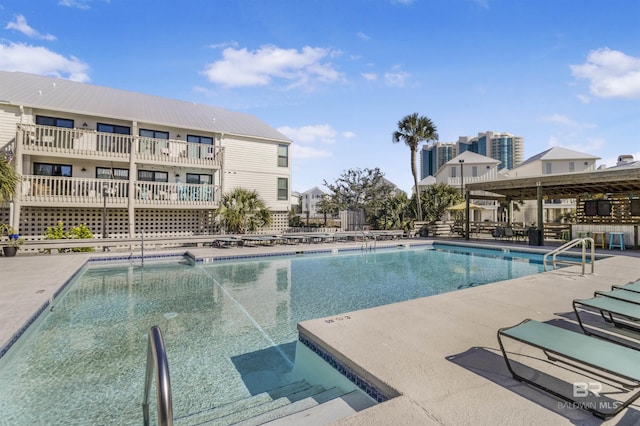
(439, 354)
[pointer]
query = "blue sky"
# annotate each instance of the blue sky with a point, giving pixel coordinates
(337, 75)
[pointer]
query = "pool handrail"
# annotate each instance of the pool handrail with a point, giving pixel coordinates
(157, 361)
(583, 242)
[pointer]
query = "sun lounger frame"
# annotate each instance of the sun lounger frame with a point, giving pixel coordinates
(619, 313)
(555, 341)
(225, 242)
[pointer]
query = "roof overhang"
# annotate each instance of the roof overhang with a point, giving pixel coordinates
(568, 185)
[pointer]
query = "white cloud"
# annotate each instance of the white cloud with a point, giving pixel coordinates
(40, 60)
(611, 74)
(243, 68)
(362, 36)
(306, 152)
(586, 145)
(20, 25)
(224, 44)
(567, 121)
(584, 99)
(397, 78)
(310, 134)
(369, 76)
(348, 135)
(78, 4)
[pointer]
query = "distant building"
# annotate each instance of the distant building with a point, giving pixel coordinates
(553, 161)
(504, 147)
(309, 201)
(556, 160)
(435, 155)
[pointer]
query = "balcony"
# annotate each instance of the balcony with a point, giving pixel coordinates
(48, 191)
(90, 144)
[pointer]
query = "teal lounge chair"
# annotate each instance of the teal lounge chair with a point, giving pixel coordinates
(577, 352)
(632, 286)
(619, 313)
(620, 294)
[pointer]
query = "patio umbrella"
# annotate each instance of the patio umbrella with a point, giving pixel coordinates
(462, 206)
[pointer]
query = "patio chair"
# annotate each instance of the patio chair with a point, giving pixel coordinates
(588, 357)
(508, 233)
(498, 232)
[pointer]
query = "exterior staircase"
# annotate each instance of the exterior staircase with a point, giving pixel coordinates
(291, 404)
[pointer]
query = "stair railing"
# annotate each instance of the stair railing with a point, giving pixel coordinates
(157, 361)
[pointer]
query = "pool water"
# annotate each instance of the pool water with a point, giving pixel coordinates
(229, 326)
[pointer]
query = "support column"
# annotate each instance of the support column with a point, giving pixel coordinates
(540, 212)
(467, 198)
(133, 176)
(17, 200)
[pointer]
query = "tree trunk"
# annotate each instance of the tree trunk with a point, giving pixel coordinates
(414, 171)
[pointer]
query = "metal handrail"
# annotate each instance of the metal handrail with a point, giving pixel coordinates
(157, 360)
(563, 248)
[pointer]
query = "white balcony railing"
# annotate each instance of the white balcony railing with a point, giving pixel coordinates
(83, 142)
(51, 191)
(455, 181)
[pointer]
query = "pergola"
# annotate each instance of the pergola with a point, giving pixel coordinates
(619, 184)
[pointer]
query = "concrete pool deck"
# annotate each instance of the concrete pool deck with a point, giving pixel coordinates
(439, 354)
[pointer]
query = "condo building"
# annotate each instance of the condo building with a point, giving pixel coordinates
(504, 147)
(126, 162)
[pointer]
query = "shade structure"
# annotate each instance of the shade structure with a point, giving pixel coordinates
(463, 205)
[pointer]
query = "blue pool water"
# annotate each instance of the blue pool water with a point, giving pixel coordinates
(229, 326)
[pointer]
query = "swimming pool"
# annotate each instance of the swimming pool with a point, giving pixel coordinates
(229, 326)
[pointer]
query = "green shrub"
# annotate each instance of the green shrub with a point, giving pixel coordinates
(58, 233)
(80, 231)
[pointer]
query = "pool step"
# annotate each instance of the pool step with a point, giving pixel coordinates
(327, 412)
(264, 407)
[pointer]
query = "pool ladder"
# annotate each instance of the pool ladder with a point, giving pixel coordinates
(563, 248)
(157, 361)
(365, 240)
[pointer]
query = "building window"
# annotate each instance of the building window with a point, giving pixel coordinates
(203, 150)
(46, 169)
(112, 128)
(283, 156)
(547, 167)
(207, 140)
(474, 171)
(152, 176)
(283, 189)
(156, 134)
(111, 173)
(53, 121)
(453, 172)
(572, 166)
(197, 178)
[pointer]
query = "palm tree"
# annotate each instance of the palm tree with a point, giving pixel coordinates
(242, 210)
(8, 179)
(412, 130)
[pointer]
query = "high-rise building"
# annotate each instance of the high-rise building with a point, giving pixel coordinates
(434, 155)
(504, 147)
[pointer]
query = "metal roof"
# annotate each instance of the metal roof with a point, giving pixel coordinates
(36, 91)
(559, 153)
(619, 180)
